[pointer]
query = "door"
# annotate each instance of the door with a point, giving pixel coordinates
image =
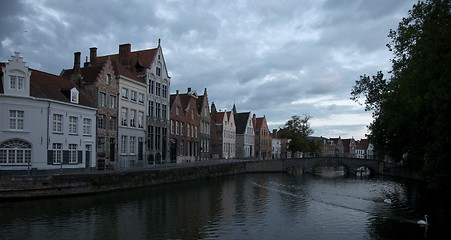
(88, 156)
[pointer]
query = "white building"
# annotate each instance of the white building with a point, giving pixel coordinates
(276, 148)
(149, 65)
(46, 123)
(245, 134)
(131, 131)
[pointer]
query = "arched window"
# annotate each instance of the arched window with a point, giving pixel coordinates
(108, 79)
(15, 152)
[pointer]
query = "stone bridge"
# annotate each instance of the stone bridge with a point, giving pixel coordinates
(307, 165)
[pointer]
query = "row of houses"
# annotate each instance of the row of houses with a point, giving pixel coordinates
(115, 111)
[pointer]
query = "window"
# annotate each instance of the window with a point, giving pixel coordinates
(73, 125)
(15, 152)
(57, 123)
(133, 95)
(113, 101)
(16, 82)
(177, 111)
(108, 79)
(152, 86)
(102, 100)
(57, 153)
(158, 71)
(132, 144)
(192, 113)
(141, 98)
(100, 144)
(132, 118)
(73, 153)
(177, 128)
(124, 112)
(12, 82)
(74, 96)
(112, 123)
(158, 113)
(86, 126)
(20, 83)
(123, 144)
(165, 113)
(101, 121)
(172, 127)
(141, 119)
(182, 128)
(124, 93)
(16, 119)
(158, 89)
(151, 109)
(165, 91)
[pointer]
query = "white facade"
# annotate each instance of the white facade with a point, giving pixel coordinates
(40, 133)
(228, 136)
(158, 109)
(276, 148)
(131, 123)
(245, 142)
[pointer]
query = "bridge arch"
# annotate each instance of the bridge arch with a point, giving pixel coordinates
(349, 165)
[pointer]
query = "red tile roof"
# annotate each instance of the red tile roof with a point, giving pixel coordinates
(143, 58)
(49, 86)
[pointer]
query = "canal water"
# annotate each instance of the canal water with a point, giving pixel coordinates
(247, 206)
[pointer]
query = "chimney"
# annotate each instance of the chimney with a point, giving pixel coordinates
(189, 90)
(177, 92)
(77, 56)
(124, 54)
(93, 55)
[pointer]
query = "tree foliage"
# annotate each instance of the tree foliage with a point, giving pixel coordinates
(411, 109)
(298, 130)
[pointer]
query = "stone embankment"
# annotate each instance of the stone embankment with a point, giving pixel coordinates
(54, 185)
(24, 187)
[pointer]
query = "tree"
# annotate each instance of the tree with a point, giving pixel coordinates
(298, 130)
(411, 109)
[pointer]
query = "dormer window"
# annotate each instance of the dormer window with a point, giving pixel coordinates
(16, 82)
(74, 95)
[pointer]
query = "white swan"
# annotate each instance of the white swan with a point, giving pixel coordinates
(423, 222)
(387, 200)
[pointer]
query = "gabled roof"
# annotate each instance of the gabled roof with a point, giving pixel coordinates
(49, 86)
(199, 103)
(241, 121)
(143, 58)
(364, 143)
(90, 72)
(259, 122)
(219, 117)
(184, 99)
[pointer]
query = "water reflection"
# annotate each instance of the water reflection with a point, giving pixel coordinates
(254, 206)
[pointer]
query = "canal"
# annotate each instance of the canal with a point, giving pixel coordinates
(244, 206)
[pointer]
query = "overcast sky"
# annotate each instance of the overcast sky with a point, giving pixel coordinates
(274, 58)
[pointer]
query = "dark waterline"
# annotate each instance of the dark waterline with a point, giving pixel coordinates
(247, 206)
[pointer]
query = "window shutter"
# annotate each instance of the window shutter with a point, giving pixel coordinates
(80, 156)
(49, 157)
(65, 157)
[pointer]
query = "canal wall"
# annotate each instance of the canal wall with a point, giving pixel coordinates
(25, 187)
(52, 185)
